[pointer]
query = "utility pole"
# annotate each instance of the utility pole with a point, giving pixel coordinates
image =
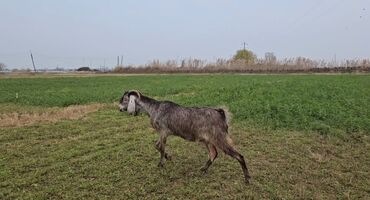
(117, 60)
(244, 46)
(33, 62)
(121, 60)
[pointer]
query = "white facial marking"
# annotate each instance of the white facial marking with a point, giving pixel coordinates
(131, 105)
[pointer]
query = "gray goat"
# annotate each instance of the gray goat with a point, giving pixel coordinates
(206, 125)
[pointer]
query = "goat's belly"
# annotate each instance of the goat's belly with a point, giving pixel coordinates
(185, 136)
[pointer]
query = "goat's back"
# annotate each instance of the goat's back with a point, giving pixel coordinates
(191, 123)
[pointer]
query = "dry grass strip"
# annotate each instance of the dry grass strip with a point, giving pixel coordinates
(50, 115)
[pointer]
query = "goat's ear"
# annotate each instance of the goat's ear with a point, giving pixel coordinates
(131, 108)
(134, 92)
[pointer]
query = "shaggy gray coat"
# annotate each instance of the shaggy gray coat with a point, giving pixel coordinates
(206, 125)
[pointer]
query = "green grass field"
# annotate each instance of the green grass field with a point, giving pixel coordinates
(304, 136)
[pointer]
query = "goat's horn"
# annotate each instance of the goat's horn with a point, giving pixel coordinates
(136, 92)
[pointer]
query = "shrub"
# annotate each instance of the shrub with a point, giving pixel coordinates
(245, 55)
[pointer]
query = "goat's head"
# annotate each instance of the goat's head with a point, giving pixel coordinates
(128, 102)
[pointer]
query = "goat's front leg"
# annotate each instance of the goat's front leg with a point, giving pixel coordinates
(157, 146)
(161, 148)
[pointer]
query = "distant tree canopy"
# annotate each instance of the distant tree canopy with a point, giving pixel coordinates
(81, 69)
(87, 69)
(2, 67)
(245, 55)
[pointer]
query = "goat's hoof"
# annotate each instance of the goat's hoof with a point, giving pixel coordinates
(247, 180)
(160, 164)
(204, 170)
(168, 157)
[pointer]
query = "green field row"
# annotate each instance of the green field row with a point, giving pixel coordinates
(328, 104)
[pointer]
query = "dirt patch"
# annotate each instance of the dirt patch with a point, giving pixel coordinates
(16, 119)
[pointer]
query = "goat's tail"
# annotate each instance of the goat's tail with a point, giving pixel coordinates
(225, 114)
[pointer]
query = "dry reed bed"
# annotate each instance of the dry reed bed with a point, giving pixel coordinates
(293, 65)
(50, 115)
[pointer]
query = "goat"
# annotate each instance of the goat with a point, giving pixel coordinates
(206, 125)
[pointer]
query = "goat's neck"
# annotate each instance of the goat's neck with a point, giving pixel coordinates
(148, 104)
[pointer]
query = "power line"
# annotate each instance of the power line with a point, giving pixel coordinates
(299, 20)
(309, 17)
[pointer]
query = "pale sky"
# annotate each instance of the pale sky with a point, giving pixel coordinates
(73, 33)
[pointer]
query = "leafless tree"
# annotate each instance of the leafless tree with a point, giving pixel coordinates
(270, 58)
(2, 67)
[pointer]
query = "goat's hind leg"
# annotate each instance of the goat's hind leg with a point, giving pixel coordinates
(230, 150)
(212, 153)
